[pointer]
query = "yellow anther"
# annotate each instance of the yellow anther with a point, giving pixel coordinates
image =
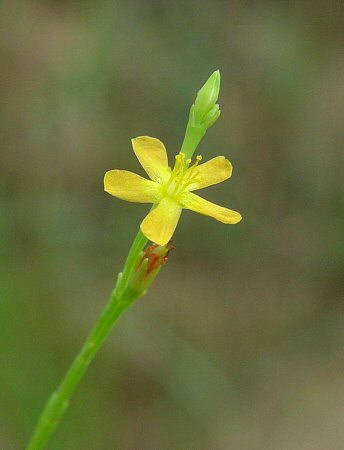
(192, 168)
(187, 163)
(182, 174)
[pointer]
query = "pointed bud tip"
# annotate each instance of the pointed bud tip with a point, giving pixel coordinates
(207, 97)
(216, 74)
(215, 78)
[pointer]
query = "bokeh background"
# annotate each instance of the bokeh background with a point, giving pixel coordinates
(239, 343)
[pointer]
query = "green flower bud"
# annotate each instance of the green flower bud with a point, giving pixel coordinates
(207, 97)
(203, 114)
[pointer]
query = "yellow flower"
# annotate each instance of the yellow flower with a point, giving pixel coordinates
(169, 190)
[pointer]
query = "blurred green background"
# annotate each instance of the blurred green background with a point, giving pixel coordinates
(239, 343)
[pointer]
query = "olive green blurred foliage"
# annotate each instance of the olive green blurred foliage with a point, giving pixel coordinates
(239, 343)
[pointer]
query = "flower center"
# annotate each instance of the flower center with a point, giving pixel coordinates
(182, 175)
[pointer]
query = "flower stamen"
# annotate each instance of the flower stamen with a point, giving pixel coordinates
(182, 175)
(193, 167)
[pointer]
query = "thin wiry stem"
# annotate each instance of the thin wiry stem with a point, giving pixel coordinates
(119, 301)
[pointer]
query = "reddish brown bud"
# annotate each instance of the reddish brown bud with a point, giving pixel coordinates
(153, 258)
(156, 255)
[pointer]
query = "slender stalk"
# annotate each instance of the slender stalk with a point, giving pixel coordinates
(202, 115)
(132, 259)
(119, 301)
(193, 136)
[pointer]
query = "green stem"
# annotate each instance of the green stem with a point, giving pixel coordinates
(119, 301)
(123, 295)
(192, 138)
(132, 259)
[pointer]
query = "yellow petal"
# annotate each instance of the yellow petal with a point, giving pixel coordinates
(198, 204)
(153, 157)
(212, 172)
(161, 222)
(131, 187)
